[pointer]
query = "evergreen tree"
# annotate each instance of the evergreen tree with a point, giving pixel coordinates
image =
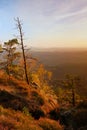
(10, 56)
(71, 83)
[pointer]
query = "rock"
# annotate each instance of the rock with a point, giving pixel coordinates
(67, 120)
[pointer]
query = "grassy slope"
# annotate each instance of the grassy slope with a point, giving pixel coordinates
(19, 102)
(16, 98)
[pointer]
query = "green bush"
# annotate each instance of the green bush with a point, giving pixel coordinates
(26, 111)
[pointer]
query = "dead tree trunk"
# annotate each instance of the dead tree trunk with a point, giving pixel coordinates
(19, 26)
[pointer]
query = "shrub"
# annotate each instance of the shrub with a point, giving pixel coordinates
(36, 111)
(36, 97)
(26, 111)
(54, 114)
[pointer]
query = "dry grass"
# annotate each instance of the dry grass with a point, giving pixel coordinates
(17, 95)
(13, 85)
(48, 124)
(15, 120)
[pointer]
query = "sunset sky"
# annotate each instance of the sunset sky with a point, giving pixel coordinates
(46, 23)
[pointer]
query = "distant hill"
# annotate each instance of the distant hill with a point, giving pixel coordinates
(62, 61)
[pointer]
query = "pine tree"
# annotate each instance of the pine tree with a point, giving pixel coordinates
(71, 83)
(10, 55)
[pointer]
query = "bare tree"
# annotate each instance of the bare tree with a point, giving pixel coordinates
(19, 27)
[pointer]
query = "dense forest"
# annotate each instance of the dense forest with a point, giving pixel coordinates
(31, 95)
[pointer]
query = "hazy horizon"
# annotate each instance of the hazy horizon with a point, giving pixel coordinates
(58, 48)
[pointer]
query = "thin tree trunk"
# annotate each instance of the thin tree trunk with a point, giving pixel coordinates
(24, 58)
(73, 97)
